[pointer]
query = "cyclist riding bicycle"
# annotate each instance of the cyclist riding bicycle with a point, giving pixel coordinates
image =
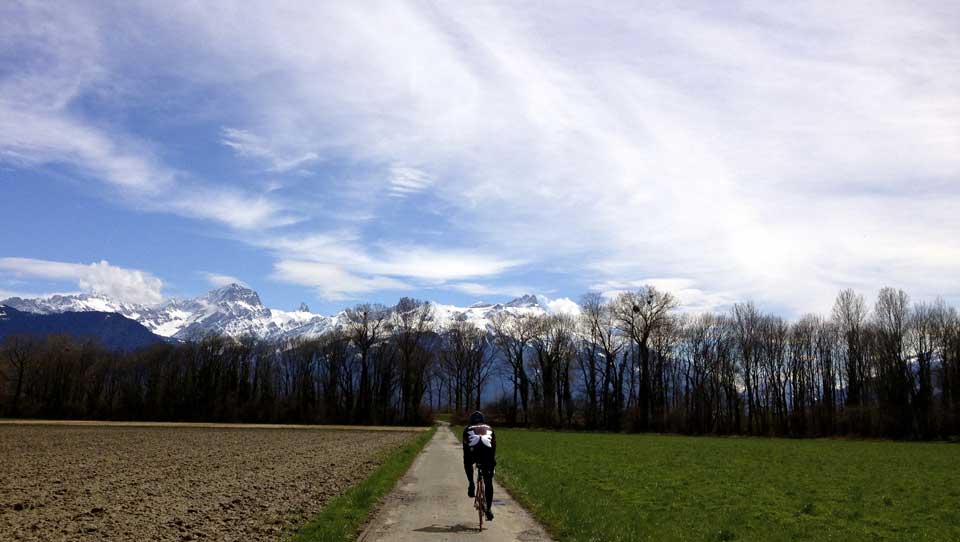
(480, 447)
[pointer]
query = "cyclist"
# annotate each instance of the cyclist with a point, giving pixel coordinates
(480, 447)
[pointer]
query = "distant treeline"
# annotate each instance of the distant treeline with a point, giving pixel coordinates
(374, 371)
(633, 363)
(628, 363)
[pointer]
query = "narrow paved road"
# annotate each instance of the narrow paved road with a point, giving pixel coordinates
(430, 503)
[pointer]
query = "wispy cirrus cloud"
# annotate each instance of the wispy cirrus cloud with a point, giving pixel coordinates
(482, 289)
(34, 138)
(64, 59)
(698, 142)
(406, 180)
(776, 153)
(331, 281)
(245, 143)
(341, 267)
(234, 208)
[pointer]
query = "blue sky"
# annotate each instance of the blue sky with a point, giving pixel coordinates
(342, 152)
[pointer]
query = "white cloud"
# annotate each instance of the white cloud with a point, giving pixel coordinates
(338, 266)
(437, 264)
(32, 138)
(64, 58)
(231, 207)
(699, 141)
(478, 289)
(58, 59)
(560, 305)
(777, 153)
(331, 281)
(245, 143)
(406, 180)
(689, 297)
(37, 138)
(351, 268)
(218, 280)
(6, 294)
(129, 285)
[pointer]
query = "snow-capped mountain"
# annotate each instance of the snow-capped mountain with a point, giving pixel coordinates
(480, 313)
(233, 310)
(237, 311)
(69, 303)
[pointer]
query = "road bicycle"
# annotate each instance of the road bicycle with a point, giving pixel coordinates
(480, 498)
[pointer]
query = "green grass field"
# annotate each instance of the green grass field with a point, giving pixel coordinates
(605, 487)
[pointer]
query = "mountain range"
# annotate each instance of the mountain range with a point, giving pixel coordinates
(237, 311)
(111, 330)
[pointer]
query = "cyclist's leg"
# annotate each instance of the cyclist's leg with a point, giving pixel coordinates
(468, 469)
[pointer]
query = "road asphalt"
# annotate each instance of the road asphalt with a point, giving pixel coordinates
(430, 503)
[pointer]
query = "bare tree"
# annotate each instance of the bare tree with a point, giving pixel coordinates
(774, 345)
(366, 325)
(826, 341)
(947, 346)
(639, 315)
(459, 355)
(512, 335)
(922, 336)
(411, 322)
(600, 354)
(849, 316)
(892, 318)
(19, 352)
(747, 321)
(553, 343)
(482, 358)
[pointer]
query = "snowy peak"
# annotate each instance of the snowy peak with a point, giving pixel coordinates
(481, 314)
(526, 301)
(235, 293)
(237, 311)
(69, 303)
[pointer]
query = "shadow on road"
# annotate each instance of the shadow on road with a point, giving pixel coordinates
(461, 528)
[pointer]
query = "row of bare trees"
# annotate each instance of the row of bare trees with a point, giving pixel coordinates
(632, 362)
(375, 369)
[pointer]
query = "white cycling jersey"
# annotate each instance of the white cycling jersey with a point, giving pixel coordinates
(480, 433)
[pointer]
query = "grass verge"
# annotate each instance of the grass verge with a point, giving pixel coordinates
(590, 486)
(344, 516)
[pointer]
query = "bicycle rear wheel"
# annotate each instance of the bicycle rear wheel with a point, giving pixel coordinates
(480, 500)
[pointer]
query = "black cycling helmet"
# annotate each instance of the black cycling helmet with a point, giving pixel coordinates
(476, 417)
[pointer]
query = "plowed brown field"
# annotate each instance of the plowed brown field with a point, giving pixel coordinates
(175, 483)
